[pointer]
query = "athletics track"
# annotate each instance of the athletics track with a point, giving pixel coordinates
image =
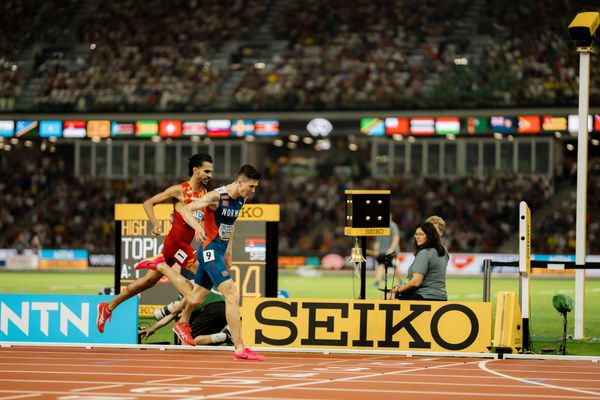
(72, 373)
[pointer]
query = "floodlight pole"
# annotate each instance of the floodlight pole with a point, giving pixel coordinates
(582, 173)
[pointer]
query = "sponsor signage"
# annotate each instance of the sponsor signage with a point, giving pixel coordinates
(63, 259)
(363, 324)
(46, 318)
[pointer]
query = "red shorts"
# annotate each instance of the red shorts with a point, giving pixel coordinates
(180, 253)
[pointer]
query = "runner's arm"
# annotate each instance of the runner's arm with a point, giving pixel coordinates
(166, 196)
(211, 199)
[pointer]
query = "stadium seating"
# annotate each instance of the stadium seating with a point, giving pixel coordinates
(202, 55)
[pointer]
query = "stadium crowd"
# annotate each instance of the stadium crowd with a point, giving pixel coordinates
(174, 56)
(147, 56)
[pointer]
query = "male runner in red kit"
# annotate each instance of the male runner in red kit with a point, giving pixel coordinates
(176, 247)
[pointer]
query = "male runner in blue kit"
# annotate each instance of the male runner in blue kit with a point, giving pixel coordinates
(221, 209)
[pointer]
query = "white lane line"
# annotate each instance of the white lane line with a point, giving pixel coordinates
(242, 371)
(87, 382)
(96, 387)
(331, 362)
(296, 385)
(483, 366)
(22, 396)
(286, 367)
(170, 379)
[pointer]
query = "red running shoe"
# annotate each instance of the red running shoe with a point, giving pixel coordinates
(184, 332)
(104, 315)
(248, 355)
(150, 263)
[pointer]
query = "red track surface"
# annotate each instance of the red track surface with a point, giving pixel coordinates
(77, 373)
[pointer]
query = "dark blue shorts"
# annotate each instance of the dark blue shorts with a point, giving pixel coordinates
(212, 270)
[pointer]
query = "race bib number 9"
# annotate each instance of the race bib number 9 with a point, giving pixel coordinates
(208, 255)
(225, 231)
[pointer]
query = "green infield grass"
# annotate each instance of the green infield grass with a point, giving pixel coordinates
(545, 321)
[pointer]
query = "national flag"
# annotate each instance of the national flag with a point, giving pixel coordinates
(50, 128)
(447, 126)
(218, 127)
(74, 129)
(146, 128)
(25, 128)
(529, 124)
(122, 129)
(255, 245)
(553, 124)
(574, 123)
(99, 129)
(478, 125)
(194, 128)
(396, 126)
(422, 126)
(504, 124)
(170, 129)
(7, 128)
(266, 127)
(242, 127)
(372, 126)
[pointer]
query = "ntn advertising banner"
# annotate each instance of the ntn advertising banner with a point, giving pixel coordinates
(65, 319)
(364, 324)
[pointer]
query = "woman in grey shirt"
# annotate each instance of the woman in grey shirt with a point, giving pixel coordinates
(427, 273)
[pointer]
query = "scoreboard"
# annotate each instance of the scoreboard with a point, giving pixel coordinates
(254, 255)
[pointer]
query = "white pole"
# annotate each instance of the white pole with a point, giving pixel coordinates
(582, 172)
(525, 269)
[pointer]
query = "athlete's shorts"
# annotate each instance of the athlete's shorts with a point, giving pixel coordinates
(180, 253)
(212, 270)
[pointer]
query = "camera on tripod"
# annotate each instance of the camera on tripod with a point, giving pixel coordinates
(387, 259)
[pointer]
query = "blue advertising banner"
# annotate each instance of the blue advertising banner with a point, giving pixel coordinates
(64, 319)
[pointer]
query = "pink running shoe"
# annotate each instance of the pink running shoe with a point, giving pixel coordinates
(184, 332)
(104, 315)
(150, 263)
(248, 354)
